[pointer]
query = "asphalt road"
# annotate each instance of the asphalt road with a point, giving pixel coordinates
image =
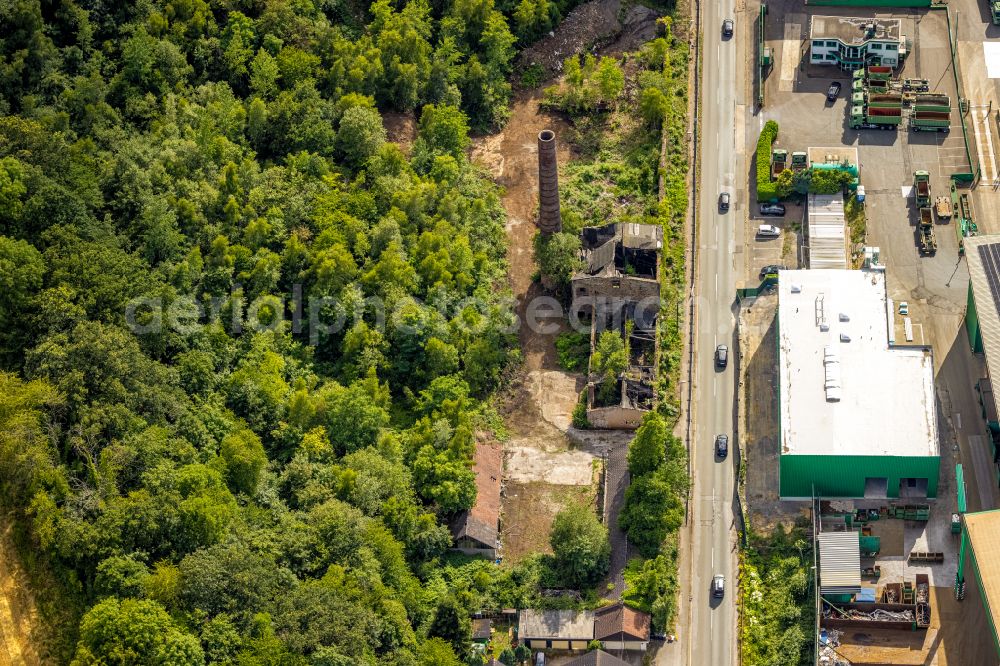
(712, 632)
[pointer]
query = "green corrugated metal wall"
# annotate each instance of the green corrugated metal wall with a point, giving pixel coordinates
(844, 476)
(872, 3)
(971, 554)
(972, 324)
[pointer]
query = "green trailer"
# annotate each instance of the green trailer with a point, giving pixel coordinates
(922, 188)
(940, 103)
(930, 121)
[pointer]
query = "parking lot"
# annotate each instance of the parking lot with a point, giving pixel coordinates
(934, 287)
(796, 100)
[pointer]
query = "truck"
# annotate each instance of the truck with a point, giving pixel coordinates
(942, 208)
(883, 119)
(922, 188)
(779, 161)
(800, 161)
(930, 121)
(925, 231)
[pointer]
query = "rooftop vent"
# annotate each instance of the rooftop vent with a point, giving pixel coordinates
(831, 368)
(844, 317)
(796, 288)
(844, 337)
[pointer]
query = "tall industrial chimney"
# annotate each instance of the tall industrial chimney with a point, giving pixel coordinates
(548, 184)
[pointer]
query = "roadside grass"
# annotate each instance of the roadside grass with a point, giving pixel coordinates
(776, 624)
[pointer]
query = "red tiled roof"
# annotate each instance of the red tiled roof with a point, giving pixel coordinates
(481, 522)
(616, 619)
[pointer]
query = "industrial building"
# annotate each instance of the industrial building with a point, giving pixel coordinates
(857, 413)
(982, 324)
(619, 289)
(979, 564)
(852, 42)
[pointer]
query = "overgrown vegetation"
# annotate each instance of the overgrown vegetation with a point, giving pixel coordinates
(777, 619)
(811, 181)
(207, 478)
(766, 189)
(856, 221)
(615, 179)
(573, 348)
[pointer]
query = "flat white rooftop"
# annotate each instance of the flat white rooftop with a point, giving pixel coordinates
(844, 390)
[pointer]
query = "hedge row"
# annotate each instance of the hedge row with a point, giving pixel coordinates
(766, 190)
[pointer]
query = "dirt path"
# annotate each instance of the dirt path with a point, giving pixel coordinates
(21, 637)
(550, 464)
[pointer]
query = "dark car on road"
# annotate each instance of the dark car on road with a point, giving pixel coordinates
(724, 201)
(770, 269)
(833, 92)
(721, 356)
(721, 446)
(727, 28)
(772, 209)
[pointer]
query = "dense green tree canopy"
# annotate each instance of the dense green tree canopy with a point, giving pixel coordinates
(245, 339)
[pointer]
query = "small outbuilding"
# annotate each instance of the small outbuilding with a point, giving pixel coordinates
(555, 629)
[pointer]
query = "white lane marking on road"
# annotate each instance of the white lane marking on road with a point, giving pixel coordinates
(989, 143)
(979, 139)
(716, 285)
(958, 419)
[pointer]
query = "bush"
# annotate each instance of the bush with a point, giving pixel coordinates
(580, 419)
(573, 348)
(580, 545)
(766, 190)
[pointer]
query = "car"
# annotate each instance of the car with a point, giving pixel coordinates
(768, 231)
(727, 28)
(721, 356)
(904, 308)
(722, 445)
(724, 201)
(770, 269)
(539, 659)
(772, 209)
(718, 586)
(833, 92)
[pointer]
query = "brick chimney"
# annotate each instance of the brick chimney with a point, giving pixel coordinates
(548, 184)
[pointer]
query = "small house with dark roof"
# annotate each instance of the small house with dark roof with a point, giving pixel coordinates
(619, 627)
(481, 630)
(596, 658)
(477, 531)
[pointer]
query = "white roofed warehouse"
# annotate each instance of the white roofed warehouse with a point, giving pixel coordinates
(857, 414)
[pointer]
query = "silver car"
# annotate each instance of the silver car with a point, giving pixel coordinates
(718, 585)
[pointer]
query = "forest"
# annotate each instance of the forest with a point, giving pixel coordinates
(246, 342)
